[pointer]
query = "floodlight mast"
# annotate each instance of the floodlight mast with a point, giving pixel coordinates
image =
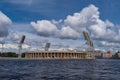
(89, 42)
(86, 36)
(20, 46)
(2, 47)
(47, 46)
(2, 43)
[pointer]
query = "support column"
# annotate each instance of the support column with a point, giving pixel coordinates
(47, 55)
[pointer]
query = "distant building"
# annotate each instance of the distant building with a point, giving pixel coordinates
(117, 55)
(107, 55)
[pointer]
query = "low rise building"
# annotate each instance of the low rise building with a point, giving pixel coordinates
(107, 55)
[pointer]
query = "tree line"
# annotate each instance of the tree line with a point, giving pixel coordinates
(10, 54)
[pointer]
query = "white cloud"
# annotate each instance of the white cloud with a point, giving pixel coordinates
(108, 45)
(4, 23)
(88, 19)
(15, 37)
(14, 46)
(98, 29)
(72, 27)
(104, 30)
(56, 22)
(44, 27)
(69, 33)
(79, 22)
(49, 28)
(85, 18)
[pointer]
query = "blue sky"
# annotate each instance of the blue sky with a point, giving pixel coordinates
(30, 10)
(56, 21)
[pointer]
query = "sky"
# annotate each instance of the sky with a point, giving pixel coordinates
(60, 22)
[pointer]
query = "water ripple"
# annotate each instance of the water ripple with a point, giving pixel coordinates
(99, 69)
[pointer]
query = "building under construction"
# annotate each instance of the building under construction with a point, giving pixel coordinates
(58, 55)
(67, 54)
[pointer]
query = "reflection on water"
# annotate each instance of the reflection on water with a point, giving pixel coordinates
(99, 69)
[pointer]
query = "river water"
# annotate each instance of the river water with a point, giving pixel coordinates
(98, 69)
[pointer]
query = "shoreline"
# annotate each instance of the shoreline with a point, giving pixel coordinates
(13, 58)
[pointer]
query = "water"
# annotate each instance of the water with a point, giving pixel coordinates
(99, 69)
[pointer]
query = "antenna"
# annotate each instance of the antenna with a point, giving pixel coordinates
(47, 46)
(20, 46)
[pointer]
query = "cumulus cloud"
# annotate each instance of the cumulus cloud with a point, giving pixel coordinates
(88, 19)
(69, 33)
(85, 18)
(72, 27)
(44, 27)
(104, 30)
(4, 23)
(48, 28)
